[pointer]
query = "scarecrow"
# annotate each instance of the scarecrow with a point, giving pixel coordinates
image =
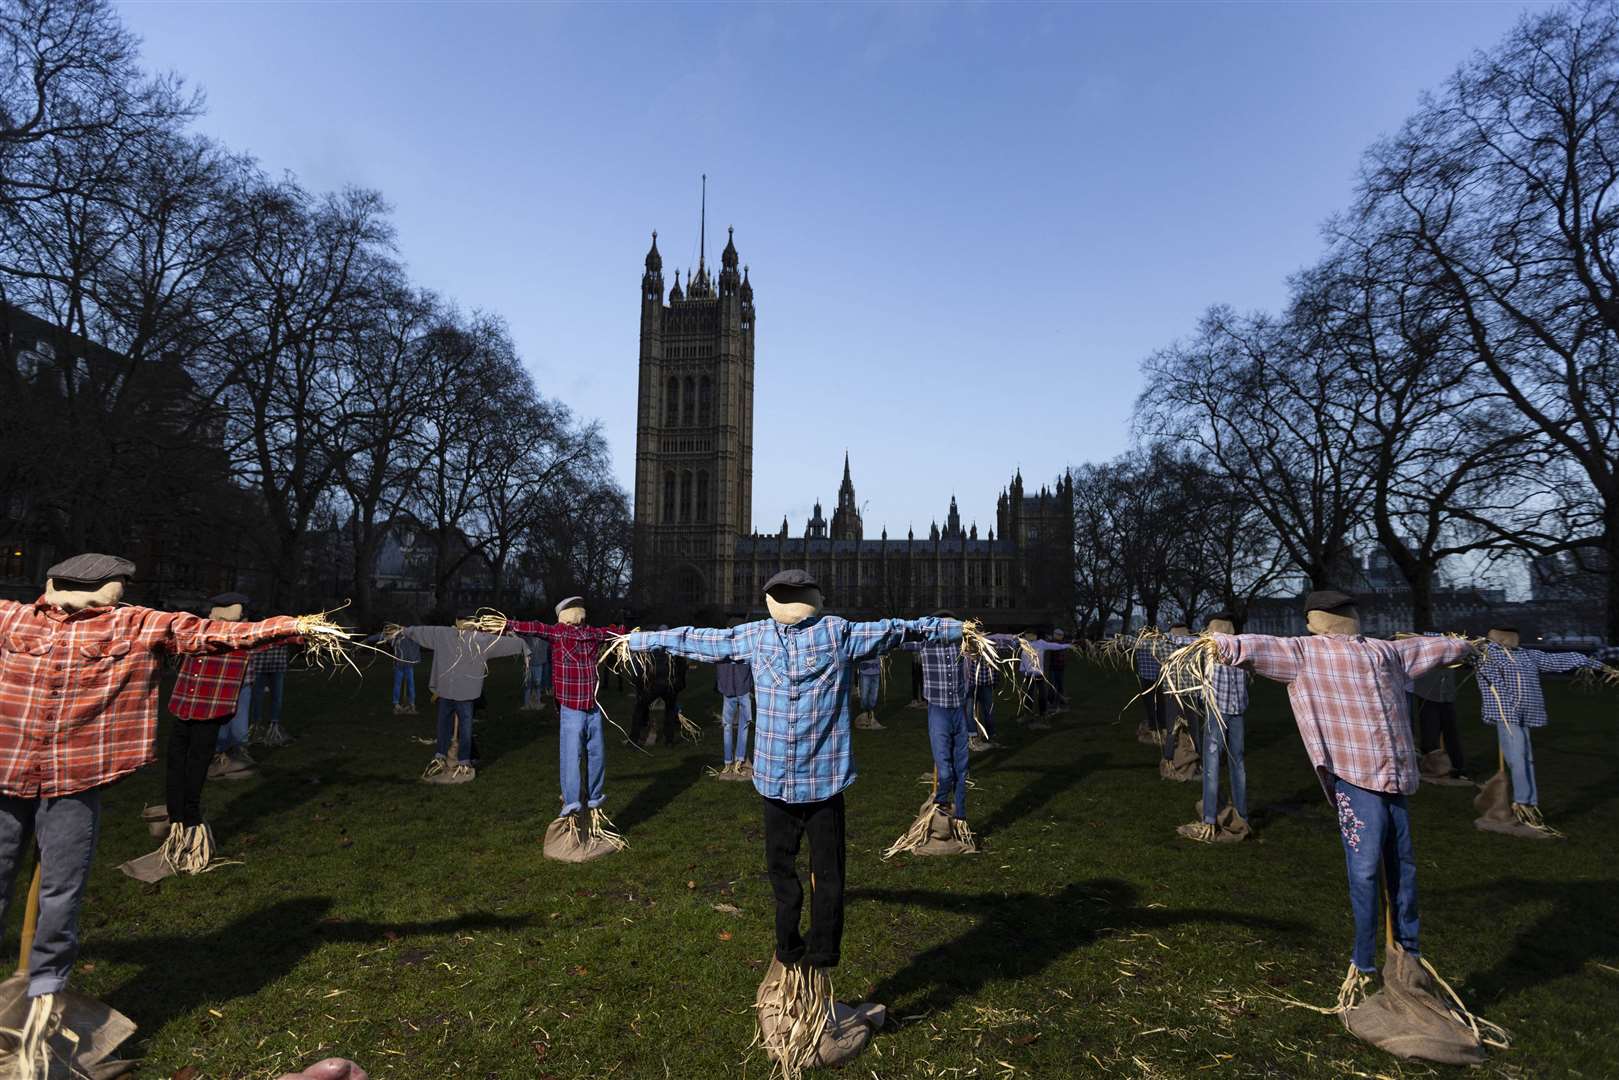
(1181, 760)
(1511, 700)
(869, 675)
(1032, 663)
(734, 680)
(1217, 821)
(461, 655)
(78, 709)
(267, 682)
(1145, 649)
(940, 827)
(1348, 697)
(575, 649)
(204, 697)
(1439, 739)
(803, 761)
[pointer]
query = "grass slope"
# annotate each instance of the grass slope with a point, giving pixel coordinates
(419, 930)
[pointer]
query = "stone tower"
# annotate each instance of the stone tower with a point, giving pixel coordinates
(693, 435)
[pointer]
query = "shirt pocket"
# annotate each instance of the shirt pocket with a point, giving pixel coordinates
(817, 664)
(26, 643)
(104, 650)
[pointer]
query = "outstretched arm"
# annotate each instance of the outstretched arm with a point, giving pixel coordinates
(1550, 663)
(1422, 654)
(707, 644)
(184, 633)
(868, 639)
(1277, 658)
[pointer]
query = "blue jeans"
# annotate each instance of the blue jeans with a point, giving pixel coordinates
(582, 731)
(1520, 759)
(448, 712)
(267, 689)
(985, 698)
(736, 713)
(234, 733)
(404, 683)
(870, 687)
(947, 732)
(1231, 740)
(534, 686)
(65, 829)
(1376, 832)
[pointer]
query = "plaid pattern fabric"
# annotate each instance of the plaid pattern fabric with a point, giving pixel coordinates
(977, 672)
(1348, 697)
(873, 666)
(801, 674)
(1230, 684)
(268, 658)
(944, 673)
(1037, 665)
(406, 650)
(1509, 682)
(1149, 664)
(574, 652)
(208, 686)
(78, 692)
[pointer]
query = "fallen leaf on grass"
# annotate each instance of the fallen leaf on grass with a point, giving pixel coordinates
(579, 970)
(185, 1072)
(345, 842)
(725, 935)
(391, 935)
(1023, 1040)
(727, 909)
(540, 1049)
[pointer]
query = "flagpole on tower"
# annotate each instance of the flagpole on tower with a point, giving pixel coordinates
(702, 230)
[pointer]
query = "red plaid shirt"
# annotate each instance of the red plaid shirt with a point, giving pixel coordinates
(78, 692)
(574, 651)
(208, 686)
(1348, 697)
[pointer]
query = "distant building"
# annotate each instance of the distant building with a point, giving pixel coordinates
(695, 552)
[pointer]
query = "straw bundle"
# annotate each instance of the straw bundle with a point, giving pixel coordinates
(1592, 678)
(602, 830)
(690, 730)
(800, 1006)
(917, 835)
(1188, 673)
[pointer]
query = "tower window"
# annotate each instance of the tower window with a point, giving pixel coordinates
(685, 495)
(690, 412)
(705, 401)
(669, 496)
(702, 493)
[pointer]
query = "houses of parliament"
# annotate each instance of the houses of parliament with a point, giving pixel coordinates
(696, 555)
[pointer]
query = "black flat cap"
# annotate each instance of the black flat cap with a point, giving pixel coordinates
(1327, 600)
(226, 599)
(795, 579)
(943, 613)
(91, 567)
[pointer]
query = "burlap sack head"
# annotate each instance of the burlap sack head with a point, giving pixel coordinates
(1409, 1018)
(568, 840)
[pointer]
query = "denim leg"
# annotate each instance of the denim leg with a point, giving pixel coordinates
(66, 830)
(727, 727)
(959, 748)
(1520, 761)
(595, 759)
(744, 720)
(446, 714)
(1211, 772)
(570, 737)
(941, 738)
(870, 686)
(463, 712)
(1363, 822)
(1235, 737)
(1400, 873)
(234, 733)
(986, 707)
(399, 682)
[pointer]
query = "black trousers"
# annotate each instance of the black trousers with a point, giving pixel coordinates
(786, 824)
(1151, 700)
(916, 679)
(1437, 721)
(643, 714)
(191, 748)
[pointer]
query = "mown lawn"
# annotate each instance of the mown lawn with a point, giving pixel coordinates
(419, 930)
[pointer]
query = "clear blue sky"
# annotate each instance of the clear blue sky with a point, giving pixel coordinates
(967, 224)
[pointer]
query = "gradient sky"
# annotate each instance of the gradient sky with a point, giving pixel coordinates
(967, 224)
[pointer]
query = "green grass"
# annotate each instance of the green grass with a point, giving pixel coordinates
(419, 930)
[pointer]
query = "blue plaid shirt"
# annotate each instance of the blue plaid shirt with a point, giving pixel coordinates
(801, 674)
(944, 676)
(1148, 665)
(1509, 682)
(1230, 684)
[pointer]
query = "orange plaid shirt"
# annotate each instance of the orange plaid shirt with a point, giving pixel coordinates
(78, 692)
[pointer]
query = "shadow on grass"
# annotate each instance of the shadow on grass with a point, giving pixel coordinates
(1019, 935)
(286, 790)
(1048, 784)
(182, 972)
(666, 786)
(1577, 928)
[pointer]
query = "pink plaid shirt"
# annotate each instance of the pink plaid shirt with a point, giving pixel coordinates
(1348, 697)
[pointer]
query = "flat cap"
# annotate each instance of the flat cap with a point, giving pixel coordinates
(570, 602)
(797, 579)
(226, 599)
(943, 613)
(91, 567)
(1327, 600)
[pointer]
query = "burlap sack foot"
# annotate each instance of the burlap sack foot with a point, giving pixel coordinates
(934, 832)
(1148, 735)
(1038, 724)
(867, 721)
(802, 1026)
(1436, 768)
(227, 767)
(581, 837)
(67, 1033)
(1229, 826)
(1499, 814)
(731, 770)
(157, 821)
(1417, 1015)
(916, 705)
(1186, 764)
(159, 864)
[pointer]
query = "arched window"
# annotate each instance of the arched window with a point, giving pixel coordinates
(671, 403)
(702, 493)
(685, 495)
(705, 401)
(669, 496)
(691, 401)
